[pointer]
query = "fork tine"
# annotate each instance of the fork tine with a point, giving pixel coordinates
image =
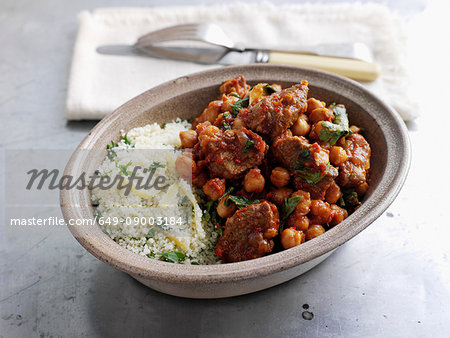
(186, 30)
(204, 32)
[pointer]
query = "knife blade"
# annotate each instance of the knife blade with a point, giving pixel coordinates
(357, 69)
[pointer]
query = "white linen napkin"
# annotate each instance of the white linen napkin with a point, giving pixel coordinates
(100, 83)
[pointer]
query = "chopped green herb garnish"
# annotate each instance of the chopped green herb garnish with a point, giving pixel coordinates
(218, 229)
(105, 174)
(332, 132)
(151, 233)
(210, 213)
(310, 175)
(350, 198)
(340, 114)
(174, 256)
(226, 193)
(268, 89)
(304, 153)
(109, 149)
(226, 115)
(112, 145)
(124, 169)
(150, 255)
(289, 206)
(235, 95)
(97, 213)
(248, 145)
(195, 263)
(240, 201)
(127, 141)
(240, 104)
(156, 165)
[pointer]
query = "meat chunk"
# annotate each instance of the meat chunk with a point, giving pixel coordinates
(353, 171)
(289, 150)
(248, 233)
(319, 189)
(277, 112)
(293, 151)
(229, 153)
(238, 85)
(310, 162)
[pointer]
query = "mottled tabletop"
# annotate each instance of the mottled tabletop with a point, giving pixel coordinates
(393, 279)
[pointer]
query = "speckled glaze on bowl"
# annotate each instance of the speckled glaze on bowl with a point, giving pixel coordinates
(187, 97)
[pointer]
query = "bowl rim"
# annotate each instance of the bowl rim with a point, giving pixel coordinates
(108, 251)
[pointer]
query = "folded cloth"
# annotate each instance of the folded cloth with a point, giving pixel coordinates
(101, 83)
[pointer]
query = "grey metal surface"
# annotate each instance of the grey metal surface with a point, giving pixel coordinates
(393, 279)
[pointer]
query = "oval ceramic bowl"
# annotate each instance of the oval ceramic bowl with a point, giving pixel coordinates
(186, 97)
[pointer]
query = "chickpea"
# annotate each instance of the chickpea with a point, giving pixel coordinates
(321, 114)
(343, 142)
(301, 127)
(314, 231)
(339, 214)
(277, 196)
(254, 181)
(333, 193)
(291, 237)
(211, 112)
(355, 129)
(214, 188)
(303, 206)
(225, 211)
(362, 189)
(185, 166)
(316, 130)
(199, 128)
(314, 104)
(188, 138)
(298, 220)
(279, 177)
(270, 233)
(287, 133)
(320, 212)
(208, 134)
(337, 155)
(228, 101)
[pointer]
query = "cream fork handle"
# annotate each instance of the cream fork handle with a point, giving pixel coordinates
(354, 69)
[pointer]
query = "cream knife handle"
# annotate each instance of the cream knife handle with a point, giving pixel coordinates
(354, 69)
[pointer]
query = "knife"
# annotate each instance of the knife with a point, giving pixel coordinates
(352, 60)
